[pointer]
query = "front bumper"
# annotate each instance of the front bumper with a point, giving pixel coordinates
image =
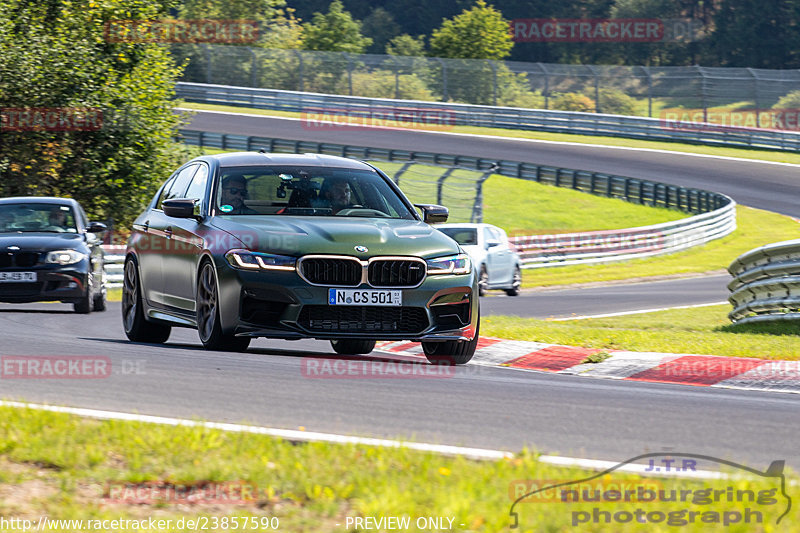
(280, 304)
(53, 283)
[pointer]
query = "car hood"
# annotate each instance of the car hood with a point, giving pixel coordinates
(40, 242)
(336, 235)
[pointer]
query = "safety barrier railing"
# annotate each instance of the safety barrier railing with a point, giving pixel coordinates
(766, 284)
(320, 107)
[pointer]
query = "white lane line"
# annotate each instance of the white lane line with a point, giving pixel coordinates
(520, 139)
(622, 313)
(310, 436)
(289, 434)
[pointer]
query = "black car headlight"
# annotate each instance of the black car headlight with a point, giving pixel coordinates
(247, 260)
(64, 257)
(452, 264)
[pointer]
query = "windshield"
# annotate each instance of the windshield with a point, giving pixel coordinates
(36, 217)
(307, 191)
(463, 236)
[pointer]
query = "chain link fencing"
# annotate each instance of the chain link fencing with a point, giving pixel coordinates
(625, 90)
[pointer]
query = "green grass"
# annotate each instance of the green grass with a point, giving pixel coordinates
(745, 153)
(702, 330)
(61, 466)
(755, 228)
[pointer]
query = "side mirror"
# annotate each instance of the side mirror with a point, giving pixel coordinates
(180, 208)
(432, 213)
(96, 227)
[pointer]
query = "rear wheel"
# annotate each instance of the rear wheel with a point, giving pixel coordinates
(352, 346)
(208, 323)
(137, 329)
(99, 300)
(84, 304)
(452, 352)
(516, 283)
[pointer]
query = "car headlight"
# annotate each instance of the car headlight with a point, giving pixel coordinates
(64, 257)
(247, 260)
(452, 264)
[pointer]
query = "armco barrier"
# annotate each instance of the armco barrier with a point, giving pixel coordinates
(715, 213)
(114, 261)
(316, 104)
(766, 284)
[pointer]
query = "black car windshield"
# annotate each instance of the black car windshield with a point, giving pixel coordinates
(307, 191)
(36, 217)
(463, 236)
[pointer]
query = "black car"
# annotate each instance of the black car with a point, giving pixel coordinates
(49, 251)
(246, 245)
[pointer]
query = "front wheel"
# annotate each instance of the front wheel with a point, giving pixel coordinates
(208, 323)
(352, 346)
(452, 352)
(137, 329)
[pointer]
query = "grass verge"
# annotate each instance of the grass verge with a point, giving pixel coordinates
(66, 467)
(742, 153)
(701, 330)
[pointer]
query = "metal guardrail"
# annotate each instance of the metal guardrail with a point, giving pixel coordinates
(715, 214)
(114, 260)
(766, 284)
(441, 115)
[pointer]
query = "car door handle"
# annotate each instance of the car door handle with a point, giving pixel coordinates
(146, 226)
(168, 231)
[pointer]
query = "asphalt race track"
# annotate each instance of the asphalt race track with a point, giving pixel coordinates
(775, 187)
(496, 408)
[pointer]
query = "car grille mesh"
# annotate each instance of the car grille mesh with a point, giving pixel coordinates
(332, 271)
(363, 319)
(18, 259)
(396, 273)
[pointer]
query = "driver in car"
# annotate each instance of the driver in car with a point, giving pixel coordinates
(234, 193)
(336, 192)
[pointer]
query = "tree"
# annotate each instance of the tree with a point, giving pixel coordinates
(406, 45)
(54, 57)
(478, 33)
(335, 31)
(379, 26)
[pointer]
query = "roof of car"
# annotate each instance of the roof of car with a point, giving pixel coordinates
(244, 159)
(37, 200)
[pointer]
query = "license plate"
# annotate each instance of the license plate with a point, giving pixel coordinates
(17, 277)
(364, 297)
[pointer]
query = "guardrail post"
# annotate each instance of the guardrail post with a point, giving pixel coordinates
(444, 77)
(756, 95)
(440, 184)
(396, 77)
(350, 73)
(494, 81)
(253, 68)
(477, 209)
(649, 91)
(596, 88)
(703, 92)
(207, 51)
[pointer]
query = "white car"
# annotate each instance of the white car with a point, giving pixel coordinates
(492, 256)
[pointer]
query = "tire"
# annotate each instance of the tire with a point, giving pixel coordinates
(208, 322)
(99, 300)
(136, 327)
(352, 347)
(515, 285)
(452, 352)
(84, 305)
(483, 281)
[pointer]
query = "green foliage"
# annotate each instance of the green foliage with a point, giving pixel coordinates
(54, 55)
(477, 33)
(381, 27)
(406, 45)
(788, 101)
(572, 102)
(514, 90)
(381, 84)
(616, 102)
(335, 31)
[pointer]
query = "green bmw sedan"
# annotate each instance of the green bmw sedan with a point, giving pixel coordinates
(285, 246)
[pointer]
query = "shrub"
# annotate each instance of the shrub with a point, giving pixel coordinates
(616, 102)
(788, 101)
(572, 102)
(381, 84)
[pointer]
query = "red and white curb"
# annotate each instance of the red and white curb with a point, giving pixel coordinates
(684, 369)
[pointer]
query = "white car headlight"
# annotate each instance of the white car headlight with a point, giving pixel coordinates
(247, 260)
(64, 257)
(452, 264)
